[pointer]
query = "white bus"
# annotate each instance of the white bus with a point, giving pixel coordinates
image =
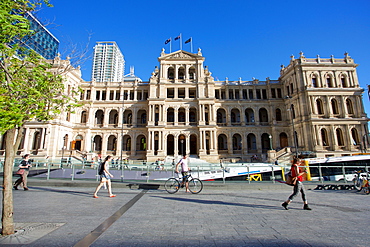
(338, 168)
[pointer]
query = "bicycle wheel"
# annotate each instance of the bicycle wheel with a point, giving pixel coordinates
(357, 182)
(195, 185)
(172, 185)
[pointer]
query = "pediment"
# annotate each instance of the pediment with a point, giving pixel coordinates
(180, 55)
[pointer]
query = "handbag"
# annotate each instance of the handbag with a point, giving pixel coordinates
(20, 172)
(290, 180)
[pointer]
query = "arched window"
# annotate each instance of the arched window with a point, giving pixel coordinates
(112, 143)
(113, 117)
(249, 116)
(292, 111)
(84, 117)
(36, 140)
(222, 142)
(99, 117)
(141, 143)
(181, 115)
(344, 81)
(324, 138)
(181, 73)
(278, 116)
(340, 139)
(126, 143)
(334, 107)
(314, 81)
(129, 118)
(319, 107)
(171, 73)
(263, 115)
(235, 116)
(143, 118)
(329, 81)
(283, 137)
(251, 142)
(170, 115)
(355, 139)
(192, 115)
(349, 106)
(237, 142)
(192, 73)
(97, 143)
(265, 142)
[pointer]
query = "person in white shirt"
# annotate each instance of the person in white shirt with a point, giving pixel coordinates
(184, 171)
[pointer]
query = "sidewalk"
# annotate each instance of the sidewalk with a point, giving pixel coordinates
(231, 215)
(228, 185)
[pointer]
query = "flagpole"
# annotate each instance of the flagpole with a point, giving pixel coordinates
(191, 44)
(170, 45)
(180, 41)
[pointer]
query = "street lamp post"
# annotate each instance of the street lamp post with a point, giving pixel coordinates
(364, 140)
(270, 137)
(123, 117)
(64, 142)
(182, 147)
(294, 133)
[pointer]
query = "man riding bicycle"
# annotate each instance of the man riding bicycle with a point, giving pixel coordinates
(184, 172)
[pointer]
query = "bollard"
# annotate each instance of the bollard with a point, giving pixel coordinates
(48, 174)
(320, 175)
(73, 171)
(249, 175)
(122, 172)
(344, 174)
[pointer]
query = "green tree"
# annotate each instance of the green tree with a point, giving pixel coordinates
(31, 88)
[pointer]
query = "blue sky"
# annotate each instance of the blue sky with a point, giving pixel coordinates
(238, 38)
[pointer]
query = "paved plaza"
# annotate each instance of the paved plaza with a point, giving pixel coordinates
(242, 215)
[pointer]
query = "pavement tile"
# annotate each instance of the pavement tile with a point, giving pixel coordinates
(242, 216)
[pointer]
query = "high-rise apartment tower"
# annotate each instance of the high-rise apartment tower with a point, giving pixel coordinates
(108, 64)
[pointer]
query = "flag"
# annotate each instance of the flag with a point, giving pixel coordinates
(178, 37)
(167, 41)
(188, 41)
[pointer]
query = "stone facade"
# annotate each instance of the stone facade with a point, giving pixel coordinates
(182, 109)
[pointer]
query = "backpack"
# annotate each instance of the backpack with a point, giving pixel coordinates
(101, 168)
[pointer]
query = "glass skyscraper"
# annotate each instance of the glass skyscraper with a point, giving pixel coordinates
(42, 40)
(108, 63)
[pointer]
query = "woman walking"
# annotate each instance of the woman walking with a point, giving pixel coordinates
(298, 185)
(105, 177)
(25, 167)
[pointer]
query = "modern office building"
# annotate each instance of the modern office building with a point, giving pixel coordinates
(42, 40)
(315, 105)
(108, 63)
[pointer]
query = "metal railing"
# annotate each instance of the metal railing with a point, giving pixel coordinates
(141, 170)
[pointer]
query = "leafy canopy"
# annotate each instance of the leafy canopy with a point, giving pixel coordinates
(30, 87)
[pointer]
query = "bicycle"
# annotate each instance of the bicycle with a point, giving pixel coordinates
(172, 185)
(361, 181)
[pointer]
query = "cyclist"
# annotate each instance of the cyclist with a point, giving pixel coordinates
(184, 171)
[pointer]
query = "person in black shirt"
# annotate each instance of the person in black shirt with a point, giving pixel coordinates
(25, 165)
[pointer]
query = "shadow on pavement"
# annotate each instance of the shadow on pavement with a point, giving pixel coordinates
(220, 202)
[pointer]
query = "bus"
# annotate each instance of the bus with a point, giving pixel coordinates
(337, 168)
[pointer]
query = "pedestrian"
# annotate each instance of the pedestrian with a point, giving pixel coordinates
(24, 167)
(105, 177)
(298, 185)
(184, 172)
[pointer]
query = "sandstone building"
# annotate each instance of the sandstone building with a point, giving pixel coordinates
(316, 105)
